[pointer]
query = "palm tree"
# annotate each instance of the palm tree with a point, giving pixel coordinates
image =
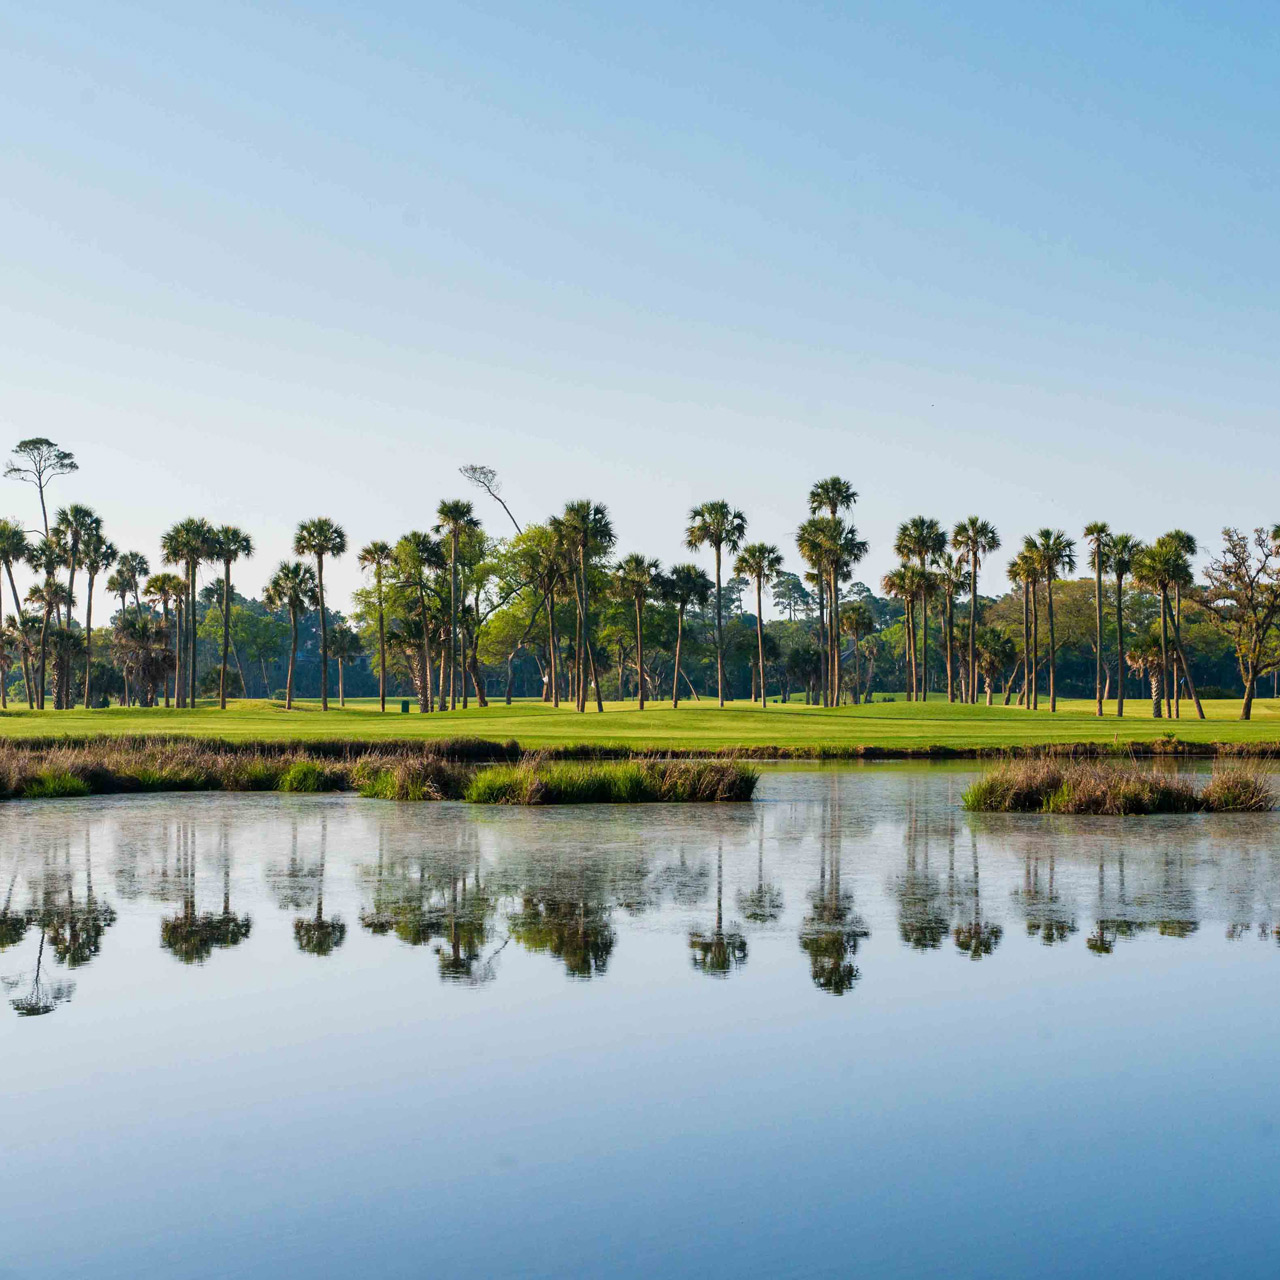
(1021, 573)
(71, 527)
(294, 587)
(814, 545)
(834, 495)
(1158, 567)
(953, 580)
(588, 535)
(346, 648)
(377, 556)
(1124, 549)
(13, 549)
(721, 527)
(977, 539)
(921, 539)
(898, 585)
(761, 561)
(416, 559)
(1184, 544)
(99, 555)
(45, 558)
(635, 580)
(453, 518)
(686, 584)
(1056, 555)
(319, 538)
(996, 653)
(1098, 536)
(187, 544)
(134, 566)
(164, 588)
(228, 544)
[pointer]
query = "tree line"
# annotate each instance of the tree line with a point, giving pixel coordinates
(453, 614)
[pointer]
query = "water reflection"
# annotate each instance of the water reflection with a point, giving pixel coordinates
(822, 859)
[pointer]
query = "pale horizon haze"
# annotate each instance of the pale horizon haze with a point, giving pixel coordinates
(268, 262)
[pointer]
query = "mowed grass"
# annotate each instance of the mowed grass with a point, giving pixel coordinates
(694, 726)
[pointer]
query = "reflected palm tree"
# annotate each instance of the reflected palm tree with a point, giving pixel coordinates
(924, 916)
(191, 935)
(763, 904)
(13, 924)
(41, 996)
(318, 936)
(831, 933)
(1046, 917)
(466, 930)
(719, 952)
(976, 937)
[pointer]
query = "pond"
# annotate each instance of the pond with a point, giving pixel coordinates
(844, 1028)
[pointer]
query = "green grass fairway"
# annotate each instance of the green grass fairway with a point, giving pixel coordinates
(695, 726)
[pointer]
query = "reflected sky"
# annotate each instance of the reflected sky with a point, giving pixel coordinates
(262, 1035)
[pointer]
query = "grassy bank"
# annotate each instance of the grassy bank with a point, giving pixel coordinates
(889, 729)
(1108, 788)
(109, 766)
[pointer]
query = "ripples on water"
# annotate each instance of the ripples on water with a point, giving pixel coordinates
(267, 1035)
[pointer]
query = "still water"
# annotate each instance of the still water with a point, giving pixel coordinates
(846, 1028)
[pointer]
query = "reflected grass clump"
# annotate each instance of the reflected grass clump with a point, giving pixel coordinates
(1120, 790)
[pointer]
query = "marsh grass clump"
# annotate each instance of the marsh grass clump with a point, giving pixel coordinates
(539, 782)
(1233, 789)
(382, 778)
(54, 784)
(1106, 788)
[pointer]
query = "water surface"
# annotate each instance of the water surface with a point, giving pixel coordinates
(846, 1027)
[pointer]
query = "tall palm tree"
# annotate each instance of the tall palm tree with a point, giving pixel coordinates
(14, 549)
(1056, 555)
(228, 544)
(1158, 567)
(346, 648)
(833, 495)
(1124, 549)
(722, 528)
(187, 544)
(416, 560)
(377, 556)
(71, 526)
(454, 517)
(975, 538)
(921, 539)
(294, 587)
(814, 544)
(1098, 536)
(319, 538)
(1184, 544)
(99, 555)
(636, 579)
(686, 584)
(1021, 573)
(858, 622)
(953, 580)
(45, 558)
(588, 533)
(134, 566)
(898, 584)
(163, 589)
(761, 562)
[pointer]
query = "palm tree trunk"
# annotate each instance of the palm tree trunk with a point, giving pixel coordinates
(192, 620)
(553, 646)
(88, 646)
(426, 702)
(1097, 593)
(342, 697)
(1177, 661)
(764, 700)
(44, 643)
(822, 632)
(453, 619)
(1026, 645)
(226, 633)
(950, 606)
(324, 636)
(293, 656)
(595, 681)
(1185, 665)
(382, 645)
(22, 645)
(973, 623)
(1035, 646)
(719, 634)
(1053, 647)
(1120, 656)
(675, 683)
(179, 649)
(835, 640)
(640, 649)
(924, 643)
(1164, 650)
(911, 646)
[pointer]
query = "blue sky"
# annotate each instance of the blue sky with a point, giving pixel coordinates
(268, 261)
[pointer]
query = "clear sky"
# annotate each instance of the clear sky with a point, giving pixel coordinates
(263, 262)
